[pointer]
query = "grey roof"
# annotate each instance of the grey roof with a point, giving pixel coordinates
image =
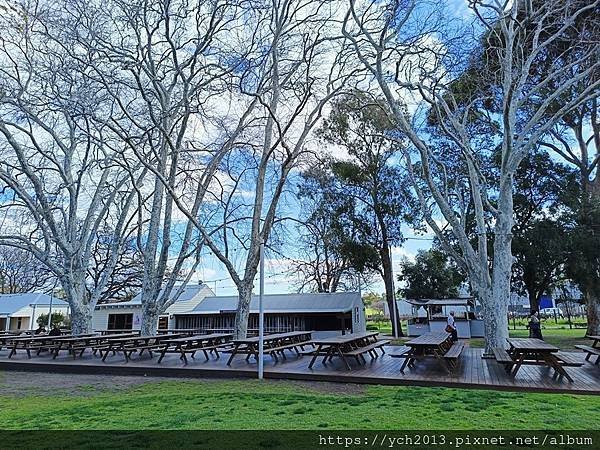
(11, 303)
(189, 292)
(442, 302)
(283, 303)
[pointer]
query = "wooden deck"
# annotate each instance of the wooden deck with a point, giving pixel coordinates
(471, 372)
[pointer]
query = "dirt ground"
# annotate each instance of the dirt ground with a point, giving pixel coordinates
(17, 384)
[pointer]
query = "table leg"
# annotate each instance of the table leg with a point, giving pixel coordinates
(13, 351)
(553, 362)
(233, 352)
(314, 358)
(343, 358)
(519, 363)
(108, 350)
(406, 360)
(164, 352)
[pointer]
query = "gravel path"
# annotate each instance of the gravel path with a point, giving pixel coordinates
(14, 383)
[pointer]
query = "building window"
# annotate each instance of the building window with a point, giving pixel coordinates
(120, 321)
(19, 322)
(163, 323)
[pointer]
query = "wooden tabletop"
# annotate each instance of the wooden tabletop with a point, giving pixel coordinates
(428, 340)
(47, 337)
(136, 338)
(531, 344)
(345, 338)
(596, 338)
(197, 337)
(271, 337)
(109, 337)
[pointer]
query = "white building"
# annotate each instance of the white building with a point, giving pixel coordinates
(21, 311)
(128, 315)
(325, 314)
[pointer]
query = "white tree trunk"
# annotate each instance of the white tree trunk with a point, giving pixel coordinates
(81, 307)
(81, 317)
(593, 313)
(243, 310)
(150, 315)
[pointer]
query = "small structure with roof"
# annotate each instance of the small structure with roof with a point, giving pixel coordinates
(128, 315)
(21, 311)
(431, 315)
(325, 314)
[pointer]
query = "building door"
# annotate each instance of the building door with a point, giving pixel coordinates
(120, 321)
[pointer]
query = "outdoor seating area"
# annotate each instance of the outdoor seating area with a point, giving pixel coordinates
(438, 346)
(535, 352)
(274, 344)
(430, 359)
(351, 345)
(593, 350)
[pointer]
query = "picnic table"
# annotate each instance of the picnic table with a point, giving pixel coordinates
(181, 331)
(114, 332)
(81, 343)
(273, 344)
(348, 345)
(132, 344)
(206, 343)
(38, 342)
(593, 350)
(530, 351)
(437, 346)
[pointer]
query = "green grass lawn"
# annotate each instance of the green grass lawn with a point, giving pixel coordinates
(279, 405)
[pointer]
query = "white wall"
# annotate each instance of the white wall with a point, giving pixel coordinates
(32, 315)
(359, 321)
(100, 316)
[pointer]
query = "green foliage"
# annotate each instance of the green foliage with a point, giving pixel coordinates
(541, 242)
(431, 275)
(58, 319)
(366, 193)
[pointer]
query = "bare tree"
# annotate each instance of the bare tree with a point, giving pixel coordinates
(20, 271)
(412, 57)
(304, 67)
(297, 64)
(165, 66)
(59, 180)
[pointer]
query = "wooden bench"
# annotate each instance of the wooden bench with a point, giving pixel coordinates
(502, 356)
(454, 351)
(590, 351)
(401, 352)
(358, 353)
(567, 359)
(452, 355)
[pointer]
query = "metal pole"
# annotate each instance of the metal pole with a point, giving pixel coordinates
(261, 313)
(50, 309)
(394, 305)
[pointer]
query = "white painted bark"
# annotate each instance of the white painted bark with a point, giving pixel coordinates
(374, 31)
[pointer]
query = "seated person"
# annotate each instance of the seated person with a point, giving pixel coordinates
(41, 330)
(55, 331)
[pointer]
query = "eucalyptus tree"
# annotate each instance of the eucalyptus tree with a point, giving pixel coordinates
(414, 55)
(60, 182)
(320, 264)
(369, 183)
